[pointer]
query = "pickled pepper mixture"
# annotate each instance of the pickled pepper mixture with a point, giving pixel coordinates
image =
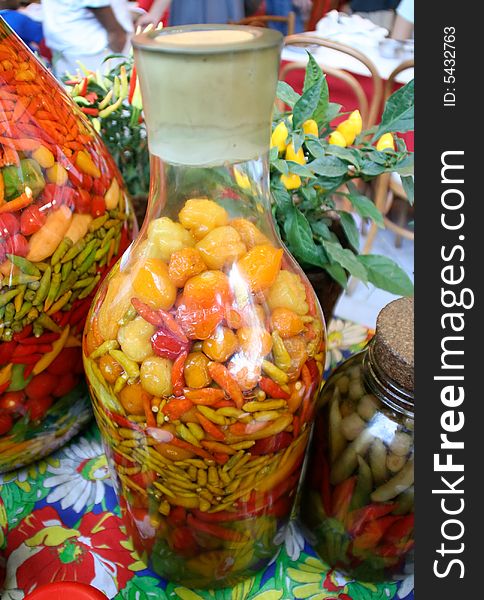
(204, 355)
(63, 221)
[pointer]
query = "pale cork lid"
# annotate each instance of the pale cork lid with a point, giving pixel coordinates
(393, 344)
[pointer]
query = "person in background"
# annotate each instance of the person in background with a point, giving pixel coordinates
(28, 30)
(186, 12)
(403, 27)
(86, 31)
(381, 12)
(281, 8)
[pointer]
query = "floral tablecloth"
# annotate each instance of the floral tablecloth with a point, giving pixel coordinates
(59, 520)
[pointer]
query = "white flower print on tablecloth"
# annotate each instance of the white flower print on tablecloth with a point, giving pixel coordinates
(81, 476)
(343, 335)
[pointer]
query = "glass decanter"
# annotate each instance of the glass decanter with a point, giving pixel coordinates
(205, 346)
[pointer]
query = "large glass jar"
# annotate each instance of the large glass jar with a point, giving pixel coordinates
(64, 220)
(357, 504)
(204, 348)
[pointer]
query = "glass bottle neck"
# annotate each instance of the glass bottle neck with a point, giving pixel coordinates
(385, 388)
(242, 187)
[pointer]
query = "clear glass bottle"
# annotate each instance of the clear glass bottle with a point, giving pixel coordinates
(357, 504)
(204, 349)
(64, 221)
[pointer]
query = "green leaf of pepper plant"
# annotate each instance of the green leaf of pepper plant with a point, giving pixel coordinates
(314, 74)
(399, 112)
(299, 235)
(407, 183)
(346, 258)
(364, 206)
(287, 94)
(386, 274)
(306, 105)
(349, 227)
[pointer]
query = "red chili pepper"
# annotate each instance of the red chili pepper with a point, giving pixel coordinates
(98, 206)
(400, 530)
(93, 112)
(91, 97)
(26, 360)
(28, 370)
(159, 318)
(217, 531)
(221, 458)
(176, 407)
(391, 550)
(132, 84)
(373, 532)
(123, 421)
(6, 351)
(83, 88)
(166, 345)
(224, 404)
(357, 519)
(342, 494)
(210, 428)
(177, 379)
(272, 389)
(24, 350)
(83, 202)
(77, 314)
(272, 444)
(177, 516)
(183, 542)
(206, 396)
(4, 387)
(21, 335)
(195, 449)
(45, 338)
(296, 426)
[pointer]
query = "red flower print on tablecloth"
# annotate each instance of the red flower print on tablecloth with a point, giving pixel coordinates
(42, 549)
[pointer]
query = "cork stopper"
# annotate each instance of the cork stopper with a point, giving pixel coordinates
(394, 340)
(208, 92)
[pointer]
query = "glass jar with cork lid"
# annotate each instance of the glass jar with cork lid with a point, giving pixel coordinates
(205, 346)
(357, 505)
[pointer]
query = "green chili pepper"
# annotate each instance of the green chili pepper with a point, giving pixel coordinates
(130, 366)
(89, 261)
(67, 284)
(17, 379)
(53, 290)
(86, 291)
(24, 310)
(17, 178)
(24, 265)
(9, 313)
(7, 296)
(66, 269)
(41, 293)
(82, 256)
(74, 251)
(47, 323)
(22, 279)
(104, 348)
(61, 250)
(364, 485)
(97, 223)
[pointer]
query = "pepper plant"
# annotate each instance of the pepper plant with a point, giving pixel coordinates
(312, 164)
(318, 163)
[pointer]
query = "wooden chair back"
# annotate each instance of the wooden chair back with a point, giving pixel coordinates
(372, 103)
(264, 20)
(386, 187)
